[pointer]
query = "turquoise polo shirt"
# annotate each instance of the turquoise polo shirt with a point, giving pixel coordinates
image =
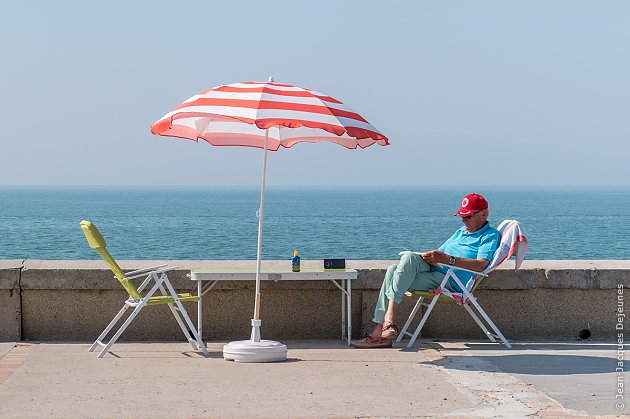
(478, 245)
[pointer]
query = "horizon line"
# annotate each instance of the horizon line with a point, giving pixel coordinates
(317, 186)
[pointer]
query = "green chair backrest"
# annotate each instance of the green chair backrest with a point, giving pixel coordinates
(96, 241)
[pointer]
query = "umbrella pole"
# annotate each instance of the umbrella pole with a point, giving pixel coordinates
(255, 349)
(255, 337)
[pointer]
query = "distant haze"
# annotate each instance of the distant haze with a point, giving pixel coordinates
(469, 93)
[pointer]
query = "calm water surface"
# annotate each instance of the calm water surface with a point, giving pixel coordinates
(188, 223)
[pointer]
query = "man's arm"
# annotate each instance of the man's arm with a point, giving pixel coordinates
(435, 256)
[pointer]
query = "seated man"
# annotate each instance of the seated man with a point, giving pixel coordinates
(470, 247)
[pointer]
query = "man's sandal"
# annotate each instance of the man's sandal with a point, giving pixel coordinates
(369, 342)
(390, 331)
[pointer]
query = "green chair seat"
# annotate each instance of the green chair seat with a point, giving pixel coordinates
(428, 295)
(167, 299)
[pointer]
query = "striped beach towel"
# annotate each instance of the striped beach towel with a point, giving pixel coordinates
(513, 243)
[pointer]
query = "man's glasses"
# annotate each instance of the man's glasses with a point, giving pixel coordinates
(468, 217)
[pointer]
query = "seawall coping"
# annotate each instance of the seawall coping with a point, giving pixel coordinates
(10, 274)
(94, 274)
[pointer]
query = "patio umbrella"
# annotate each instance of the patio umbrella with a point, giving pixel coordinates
(266, 115)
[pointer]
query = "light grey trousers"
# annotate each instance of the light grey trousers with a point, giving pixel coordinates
(412, 273)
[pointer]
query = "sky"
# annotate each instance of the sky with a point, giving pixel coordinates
(506, 93)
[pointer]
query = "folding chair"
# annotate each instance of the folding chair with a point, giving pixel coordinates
(137, 300)
(513, 242)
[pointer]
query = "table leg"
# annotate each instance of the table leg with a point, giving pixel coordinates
(343, 309)
(199, 312)
(349, 305)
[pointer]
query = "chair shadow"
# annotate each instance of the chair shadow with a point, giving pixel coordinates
(149, 354)
(174, 355)
(532, 364)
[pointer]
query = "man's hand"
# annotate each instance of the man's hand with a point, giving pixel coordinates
(434, 257)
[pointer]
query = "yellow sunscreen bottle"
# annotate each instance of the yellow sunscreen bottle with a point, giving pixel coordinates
(295, 262)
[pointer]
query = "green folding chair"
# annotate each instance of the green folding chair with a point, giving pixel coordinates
(137, 299)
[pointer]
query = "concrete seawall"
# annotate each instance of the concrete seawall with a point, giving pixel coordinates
(74, 300)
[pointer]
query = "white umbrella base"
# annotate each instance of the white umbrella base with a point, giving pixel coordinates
(250, 351)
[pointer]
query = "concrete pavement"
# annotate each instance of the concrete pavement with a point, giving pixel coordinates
(319, 379)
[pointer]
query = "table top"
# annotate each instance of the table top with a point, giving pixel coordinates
(249, 274)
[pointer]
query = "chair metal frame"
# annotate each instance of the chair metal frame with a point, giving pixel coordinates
(467, 299)
(137, 301)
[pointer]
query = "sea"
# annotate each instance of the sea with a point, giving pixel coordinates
(204, 223)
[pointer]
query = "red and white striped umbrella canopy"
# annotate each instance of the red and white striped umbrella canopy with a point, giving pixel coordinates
(239, 114)
(266, 115)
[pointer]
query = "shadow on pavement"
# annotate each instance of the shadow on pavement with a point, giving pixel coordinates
(534, 364)
(536, 346)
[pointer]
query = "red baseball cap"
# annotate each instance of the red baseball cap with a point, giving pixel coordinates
(472, 203)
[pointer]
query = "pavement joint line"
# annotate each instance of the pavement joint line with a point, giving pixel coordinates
(13, 359)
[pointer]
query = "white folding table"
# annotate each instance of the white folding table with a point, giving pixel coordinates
(341, 278)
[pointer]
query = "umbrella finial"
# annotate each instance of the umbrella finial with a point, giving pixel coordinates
(270, 79)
